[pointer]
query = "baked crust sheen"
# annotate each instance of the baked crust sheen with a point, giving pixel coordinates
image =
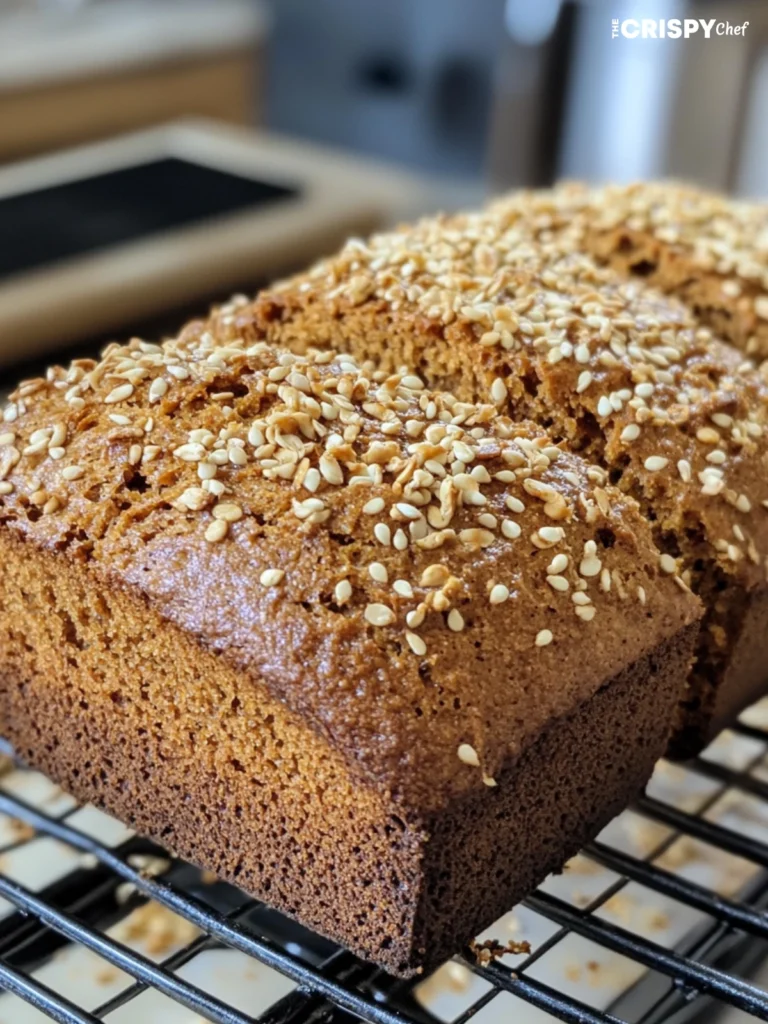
(587, 311)
(335, 637)
(130, 712)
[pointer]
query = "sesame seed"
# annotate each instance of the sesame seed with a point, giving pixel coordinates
(403, 588)
(72, 472)
(373, 506)
(582, 353)
(455, 620)
(514, 504)
(119, 394)
(604, 407)
(227, 512)
(271, 577)
(667, 564)
(721, 419)
(217, 531)
(311, 480)
(342, 591)
(551, 534)
(416, 617)
(558, 564)
(415, 642)
(435, 575)
(743, 504)
(707, 435)
(378, 572)
(468, 755)
(383, 534)
(630, 433)
(655, 463)
(158, 389)
(498, 391)
(194, 498)
(510, 529)
(331, 470)
(379, 615)
(407, 510)
(6, 487)
(499, 594)
(400, 541)
(586, 612)
(558, 583)
(543, 638)
(180, 373)
(479, 538)
(585, 379)
(7, 438)
(684, 469)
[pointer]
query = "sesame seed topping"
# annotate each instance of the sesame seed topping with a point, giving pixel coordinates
(558, 564)
(378, 572)
(72, 472)
(544, 638)
(227, 512)
(499, 594)
(668, 564)
(271, 577)
(379, 614)
(119, 394)
(510, 529)
(468, 755)
(498, 391)
(342, 591)
(372, 507)
(416, 644)
(158, 389)
(217, 531)
(383, 534)
(630, 433)
(558, 583)
(707, 435)
(455, 620)
(655, 463)
(407, 511)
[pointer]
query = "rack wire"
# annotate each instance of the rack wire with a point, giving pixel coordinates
(716, 803)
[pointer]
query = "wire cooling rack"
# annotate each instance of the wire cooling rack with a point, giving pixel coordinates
(661, 919)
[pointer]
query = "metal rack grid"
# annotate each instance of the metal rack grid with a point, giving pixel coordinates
(330, 985)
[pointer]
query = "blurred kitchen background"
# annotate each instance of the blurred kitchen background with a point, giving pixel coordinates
(461, 98)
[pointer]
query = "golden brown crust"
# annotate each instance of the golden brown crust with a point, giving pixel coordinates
(709, 251)
(505, 305)
(127, 710)
(417, 577)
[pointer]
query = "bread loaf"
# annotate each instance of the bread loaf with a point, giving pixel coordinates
(506, 306)
(380, 656)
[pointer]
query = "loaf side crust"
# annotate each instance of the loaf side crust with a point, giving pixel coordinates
(128, 711)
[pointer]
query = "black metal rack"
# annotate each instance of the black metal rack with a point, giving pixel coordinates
(333, 986)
